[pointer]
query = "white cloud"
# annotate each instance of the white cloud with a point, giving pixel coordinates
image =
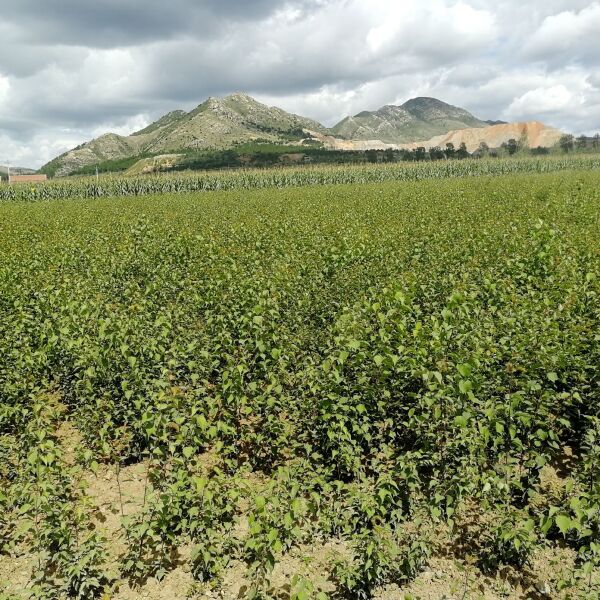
(109, 74)
(41, 149)
(411, 24)
(543, 100)
(331, 103)
(571, 33)
(127, 127)
(594, 80)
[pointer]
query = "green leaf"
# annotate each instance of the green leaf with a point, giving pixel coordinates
(461, 420)
(563, 522)
(546, 526)
(465, 386)
(464, 369)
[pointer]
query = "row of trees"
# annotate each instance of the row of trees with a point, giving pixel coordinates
(569, 142)
(437, 153)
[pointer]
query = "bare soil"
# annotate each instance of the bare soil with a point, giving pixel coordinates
(115, 495)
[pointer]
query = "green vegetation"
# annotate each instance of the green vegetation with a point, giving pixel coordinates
(52, 167)
(262, 154)
(398, 371)
(110, 166)
(247, 179)
(256, 154)
(267, 148)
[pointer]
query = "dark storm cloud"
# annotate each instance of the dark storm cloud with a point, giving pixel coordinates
(108, 23)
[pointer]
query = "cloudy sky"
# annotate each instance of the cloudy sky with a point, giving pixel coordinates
(73, 69)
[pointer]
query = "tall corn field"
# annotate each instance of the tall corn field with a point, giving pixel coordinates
(122, 185)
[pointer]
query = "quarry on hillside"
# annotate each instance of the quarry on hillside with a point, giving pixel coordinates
(531, 134)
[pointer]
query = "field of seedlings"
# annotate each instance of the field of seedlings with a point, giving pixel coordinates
(379, 390)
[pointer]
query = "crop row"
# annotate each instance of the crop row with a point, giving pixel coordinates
(288, 177)
(400, 370)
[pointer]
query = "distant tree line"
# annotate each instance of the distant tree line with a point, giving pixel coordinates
(450, 151)
(570, 143)
(267, 154)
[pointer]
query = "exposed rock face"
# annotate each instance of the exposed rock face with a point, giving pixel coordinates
(417, 119)
(531, 134)
(215, 124)
(334, 143)
(107, 147)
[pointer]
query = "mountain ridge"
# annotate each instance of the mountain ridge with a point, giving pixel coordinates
(417, 119)
(224, 123)
(15, 171)
(216, 123)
